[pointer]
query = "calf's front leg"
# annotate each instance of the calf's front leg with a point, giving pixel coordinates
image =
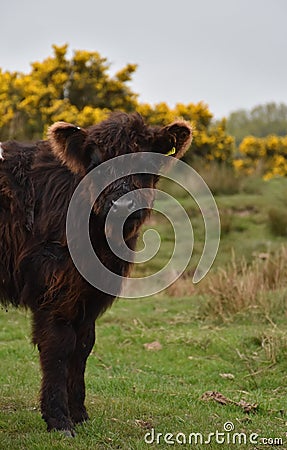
(56, 340)
(85, 339)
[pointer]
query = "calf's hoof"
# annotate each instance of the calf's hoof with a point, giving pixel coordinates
(68, 433)
(79, 416)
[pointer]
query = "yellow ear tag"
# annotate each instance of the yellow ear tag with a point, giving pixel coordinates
(171, 152)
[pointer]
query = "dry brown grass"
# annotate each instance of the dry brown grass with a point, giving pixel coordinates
(183, 287)
(260, 287)
(221, 179)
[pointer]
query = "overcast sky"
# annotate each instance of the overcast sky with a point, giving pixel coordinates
(228, 53)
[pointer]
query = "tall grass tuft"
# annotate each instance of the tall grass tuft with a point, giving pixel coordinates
(259, 288)
(221, 179)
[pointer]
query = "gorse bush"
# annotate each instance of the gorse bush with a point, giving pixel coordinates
(263, 156)
(81, 90)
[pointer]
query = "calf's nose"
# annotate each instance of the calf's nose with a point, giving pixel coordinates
(123, 206)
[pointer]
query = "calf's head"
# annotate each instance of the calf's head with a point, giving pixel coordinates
(83, 150)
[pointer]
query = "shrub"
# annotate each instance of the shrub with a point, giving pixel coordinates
(226, 221)
(253, 184)
(221, 178)
(278, 221)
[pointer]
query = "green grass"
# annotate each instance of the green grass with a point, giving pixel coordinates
(131, 389)
(245, 221)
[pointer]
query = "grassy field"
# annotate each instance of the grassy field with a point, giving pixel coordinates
(194, 359)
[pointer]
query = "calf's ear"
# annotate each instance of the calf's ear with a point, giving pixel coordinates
(67, 143)
(174, 139)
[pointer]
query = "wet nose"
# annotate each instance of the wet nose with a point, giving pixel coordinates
(123, 206)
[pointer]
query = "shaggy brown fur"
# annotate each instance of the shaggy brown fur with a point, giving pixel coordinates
(37, 182)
